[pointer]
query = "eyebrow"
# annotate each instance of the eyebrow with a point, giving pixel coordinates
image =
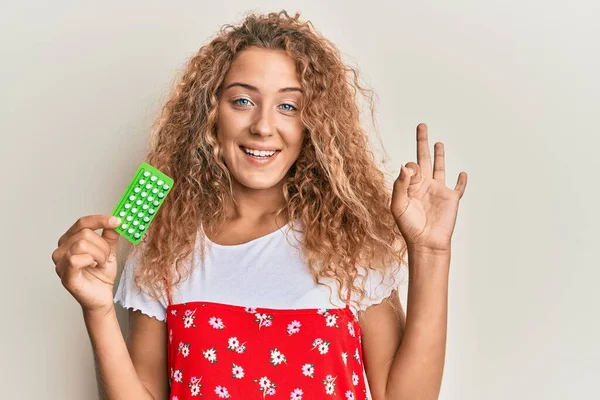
(255, 89)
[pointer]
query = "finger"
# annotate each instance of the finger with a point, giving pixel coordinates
(84, 234)
(461, 184)
(92, 222)
(71, 266)
(423, 156)
(439, 168)
(416, 174)
(85, 247)
(400, 191)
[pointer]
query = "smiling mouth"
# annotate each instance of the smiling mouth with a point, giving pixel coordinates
(260, 154)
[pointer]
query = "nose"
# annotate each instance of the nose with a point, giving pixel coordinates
(263, 123)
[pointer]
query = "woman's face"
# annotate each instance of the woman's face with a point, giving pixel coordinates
(259, 126)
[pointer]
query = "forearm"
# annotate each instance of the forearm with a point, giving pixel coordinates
(417, 369)
(116, 375)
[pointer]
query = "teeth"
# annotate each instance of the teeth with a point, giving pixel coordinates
(258, 152)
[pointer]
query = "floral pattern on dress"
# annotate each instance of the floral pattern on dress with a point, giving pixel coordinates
(221, 351)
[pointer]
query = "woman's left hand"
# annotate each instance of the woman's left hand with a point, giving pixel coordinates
(424, 208)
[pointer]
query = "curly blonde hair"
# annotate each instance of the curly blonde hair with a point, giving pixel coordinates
(335, 188)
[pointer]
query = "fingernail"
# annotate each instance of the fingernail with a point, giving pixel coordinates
(114, 221)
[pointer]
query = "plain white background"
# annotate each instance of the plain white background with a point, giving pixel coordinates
(510, 87)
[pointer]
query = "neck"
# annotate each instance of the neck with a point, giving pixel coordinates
(256, 204)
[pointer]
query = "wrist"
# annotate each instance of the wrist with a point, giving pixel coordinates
(99, 312)
(428, 250)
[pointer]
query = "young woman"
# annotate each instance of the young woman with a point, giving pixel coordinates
(270, 270)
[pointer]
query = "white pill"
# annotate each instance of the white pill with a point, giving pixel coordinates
(131, 230)
(155, 190)
(153, 178)
(156, 203)
(140, 215)
(160, 182)
(146, 219)
(124, 226)
(122, 214)
(148, 186)
(134, 210)
(150, 198)
(142, 181)
(136, 235)
(146, 173)
(151, 211)
(129, 218)
(142, 227)
(144, 194)
(137, 190)
(166, 187)
(161, 195)
(132, 197)
(127, 205)
(145, 206)
(139, 202)
(136, 222)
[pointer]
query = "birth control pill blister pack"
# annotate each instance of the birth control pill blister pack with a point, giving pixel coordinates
(141, 201)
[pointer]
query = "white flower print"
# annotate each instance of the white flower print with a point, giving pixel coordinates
(351, 329)
(277, 357)
(175, 398)
(222, 392)
(266, 386)
(216, 323)
(170, 336)
(241, 349)
(354, 378)
(195, 386)
(322, 311)
(349, 395)
(233, 343)
(324, 348)
(184, 349)
(329, 382)
(356, 356)
(331, 320)
(210, 355)
(322, 345)
(263, 320)
(296, 394)
(174, 312)
(237, 371)
(308, 370)
(250, 310)
(178, 376)
(293, 327)
(345, 358)
(188, 319)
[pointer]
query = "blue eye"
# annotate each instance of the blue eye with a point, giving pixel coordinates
(289, 107)
(240, 102)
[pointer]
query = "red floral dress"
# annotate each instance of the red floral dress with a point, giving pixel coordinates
(221, 351)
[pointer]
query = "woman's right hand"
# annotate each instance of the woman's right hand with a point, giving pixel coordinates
(86, 261)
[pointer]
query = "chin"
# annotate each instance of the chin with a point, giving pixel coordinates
(258, 183)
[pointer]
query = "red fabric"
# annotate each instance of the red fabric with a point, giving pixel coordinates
(220, 351)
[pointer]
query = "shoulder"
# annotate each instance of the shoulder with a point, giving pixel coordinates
(130, 296)
(378, 284)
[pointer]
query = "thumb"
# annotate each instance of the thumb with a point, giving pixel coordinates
(110, 235)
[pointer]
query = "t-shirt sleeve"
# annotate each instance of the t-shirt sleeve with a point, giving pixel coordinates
(130, 296)
(378, 285)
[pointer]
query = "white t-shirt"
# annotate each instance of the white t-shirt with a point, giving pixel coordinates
(265, 272)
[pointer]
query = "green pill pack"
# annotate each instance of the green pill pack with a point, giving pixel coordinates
(141, 201)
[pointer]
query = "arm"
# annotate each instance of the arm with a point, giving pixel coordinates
(406, 362)
(136, 370)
